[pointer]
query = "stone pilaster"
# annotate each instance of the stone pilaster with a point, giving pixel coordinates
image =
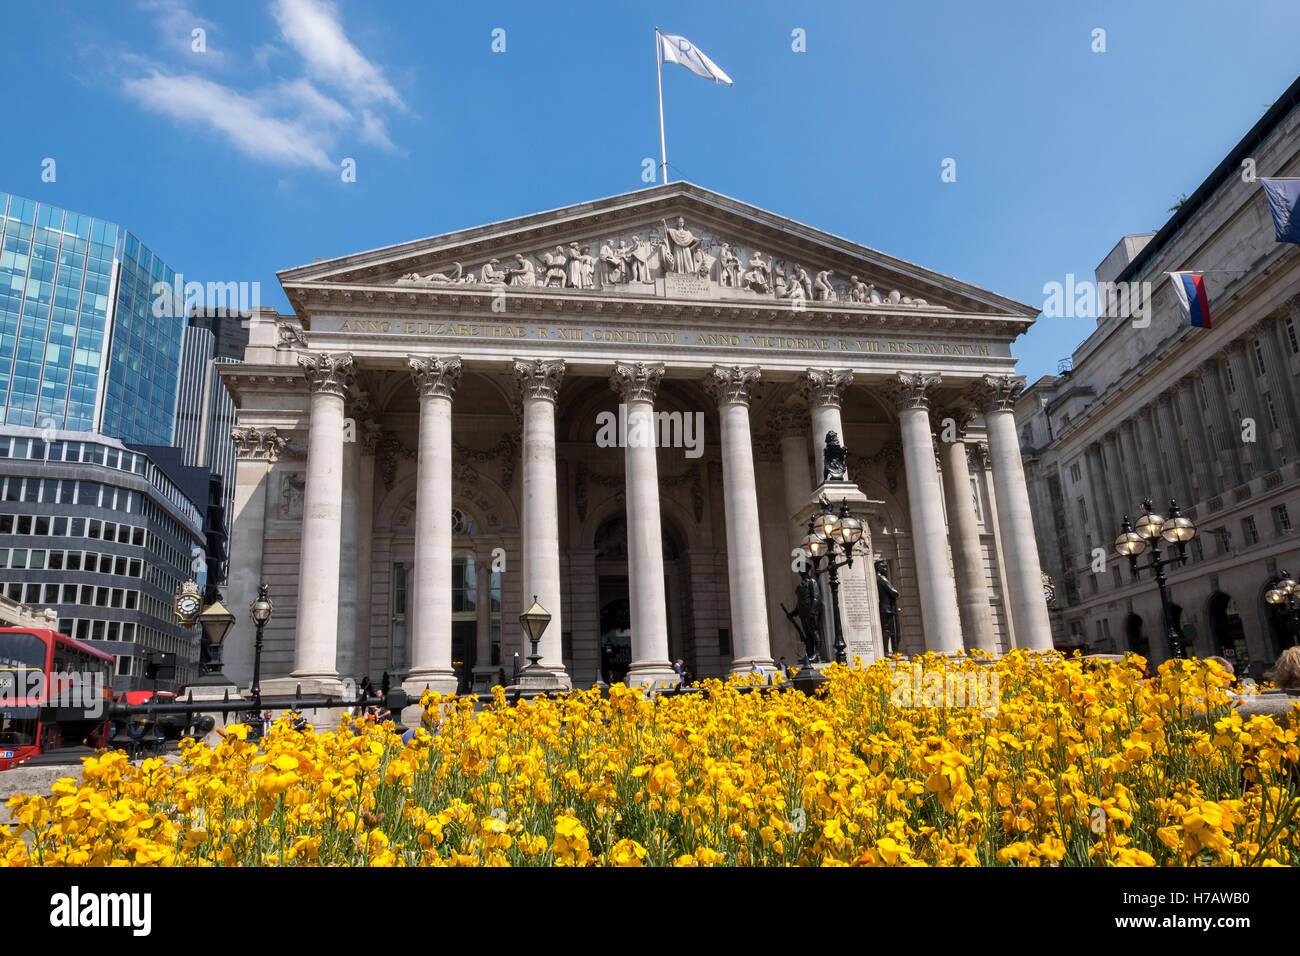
(731, 386)
(637, 382)
(1281, 383)
(997, 397)
(1194, 427)
(1229, 453)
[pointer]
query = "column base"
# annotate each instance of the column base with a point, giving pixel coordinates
(543, 679)
(440, 681)
(655, 673)
(323, 719)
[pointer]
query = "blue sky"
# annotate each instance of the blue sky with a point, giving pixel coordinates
(227, 162)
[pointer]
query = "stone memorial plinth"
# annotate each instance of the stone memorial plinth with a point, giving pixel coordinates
(859, 608)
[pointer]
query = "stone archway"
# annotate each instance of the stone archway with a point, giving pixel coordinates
(1227, 631)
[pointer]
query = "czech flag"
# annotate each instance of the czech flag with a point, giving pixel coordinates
(1189, 290)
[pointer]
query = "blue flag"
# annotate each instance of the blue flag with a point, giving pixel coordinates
(1284, 199)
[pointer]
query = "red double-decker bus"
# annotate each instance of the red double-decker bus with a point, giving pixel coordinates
(54, 692)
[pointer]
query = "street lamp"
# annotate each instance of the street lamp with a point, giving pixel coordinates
(260, 611)
(827, 532)
(534, 621)
(216, 622)
(1152, 529)
(1285, 596)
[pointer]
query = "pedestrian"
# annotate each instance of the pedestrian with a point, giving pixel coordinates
(367, 689)
(785, 670)
(681, 671)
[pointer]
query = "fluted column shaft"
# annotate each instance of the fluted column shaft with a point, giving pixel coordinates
(1227, 434)
(316, 641)
(1281, 384)
(824, 390)
(539, 382)
(964, 533)
(1024, 573)
(1194, 427)
(940, 619)
(1240, 359)
(637, 382)
(436, 379)
(731, 386)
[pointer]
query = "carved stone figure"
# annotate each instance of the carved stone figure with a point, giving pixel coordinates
(640, 254)
(554, 262)
(872, 294)
(888, 596)
(835, 459)
(683, 247)
(858, 290)
(588, 268)
(576, 267)
(825, 291)
(895, 297)
(759, 276)
(433, 277)
(525, 274)
(492, 274)
(808, 605)
(801, 277)
(292, 490)
(729, 272)
(615, 264)
(666, 260)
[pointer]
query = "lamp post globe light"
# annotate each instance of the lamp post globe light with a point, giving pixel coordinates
(260, 611)
(829, 532)
(534, 622)
(1285, 596)
(1153, 530)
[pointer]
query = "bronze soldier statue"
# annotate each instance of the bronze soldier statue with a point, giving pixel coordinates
(808, 605)
(835, 459)
(888, 607)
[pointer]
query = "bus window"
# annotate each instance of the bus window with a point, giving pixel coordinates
(17, 731)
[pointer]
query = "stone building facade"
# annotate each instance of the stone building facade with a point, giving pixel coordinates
(1209, 417)
(445, 428)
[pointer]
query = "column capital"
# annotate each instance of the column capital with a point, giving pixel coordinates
(636, 381)
(328, 373)
(825, 386)
(733, 384)
(1236, 346)
(961, 414)
(265, 444)
(435, 377)
(539, 378)
(911, 389)
(788, 420)
(998, 393)
(371, 433)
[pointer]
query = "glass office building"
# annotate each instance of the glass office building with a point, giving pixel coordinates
(80, 345)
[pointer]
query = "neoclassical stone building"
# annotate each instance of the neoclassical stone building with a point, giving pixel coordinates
(445, 428)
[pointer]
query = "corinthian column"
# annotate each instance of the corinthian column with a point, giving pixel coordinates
(940, 619)
(316, 641)
(731, 385)
(636, 383)
(539, 382)
(824, 389)
(436, 379)
(997, 397)
(964, 534)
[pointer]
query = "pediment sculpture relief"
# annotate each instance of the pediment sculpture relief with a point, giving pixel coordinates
(668, 259)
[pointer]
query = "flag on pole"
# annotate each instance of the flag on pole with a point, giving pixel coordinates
(1189, 290)
(1284, 199)
(678, 49)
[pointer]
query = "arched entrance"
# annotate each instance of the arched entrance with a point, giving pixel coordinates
(1136, 637)
(1227, 633)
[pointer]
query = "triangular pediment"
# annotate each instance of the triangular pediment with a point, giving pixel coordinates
(678, 241)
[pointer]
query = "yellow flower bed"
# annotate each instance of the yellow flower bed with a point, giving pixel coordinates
(1079, 765)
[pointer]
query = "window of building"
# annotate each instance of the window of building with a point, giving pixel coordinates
(1259, 357)
(1291, 338)
(1232, 382)
(1222, 540)
(1281, 520)
(1272, 411)
(1075, 473)
(1117, 575)
(1249, 530)
(1198, 549)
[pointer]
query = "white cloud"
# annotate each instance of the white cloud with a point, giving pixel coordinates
(177, 24)
(312, 102)
(374, 130)
(312, 28)
(246, 122)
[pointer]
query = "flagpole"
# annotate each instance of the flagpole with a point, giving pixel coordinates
(659, 77)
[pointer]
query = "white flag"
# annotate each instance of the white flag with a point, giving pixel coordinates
(675, 49)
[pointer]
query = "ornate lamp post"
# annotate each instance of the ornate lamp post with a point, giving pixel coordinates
(1151, 530)
(534, 621)
(1285, 596)
(216, 622)
(827, 532)
(260, 611)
